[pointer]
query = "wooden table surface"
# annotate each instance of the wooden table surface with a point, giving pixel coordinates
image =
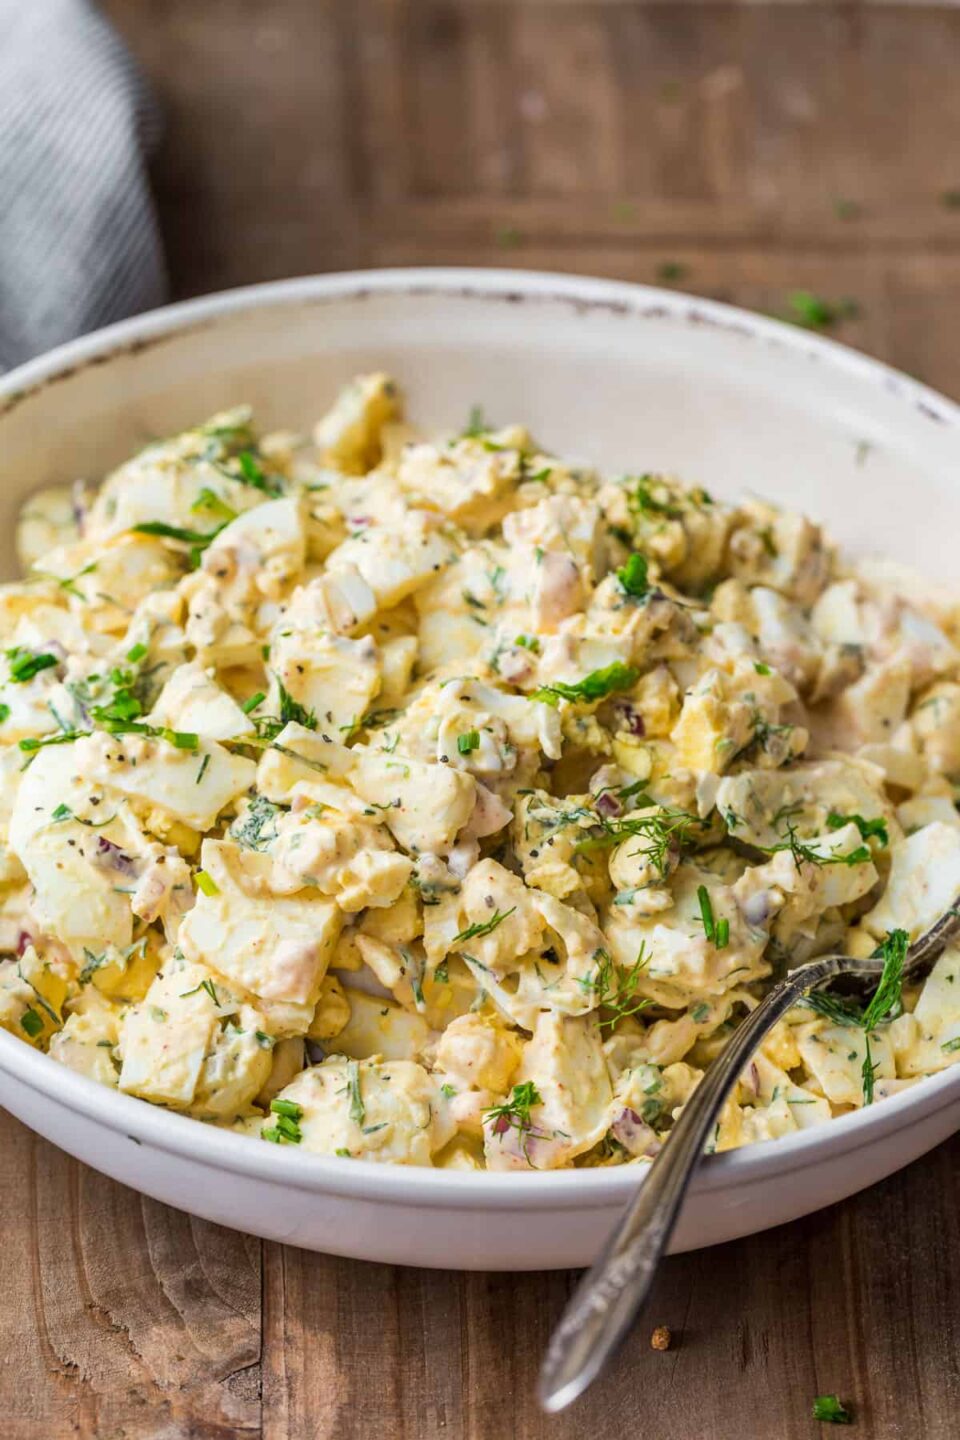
(754, 150)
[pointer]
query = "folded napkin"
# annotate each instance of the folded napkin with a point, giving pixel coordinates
(79, 242)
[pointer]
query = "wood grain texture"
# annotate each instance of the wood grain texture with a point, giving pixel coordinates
(605, 137)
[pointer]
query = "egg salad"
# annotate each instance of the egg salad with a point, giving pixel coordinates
(436, 801)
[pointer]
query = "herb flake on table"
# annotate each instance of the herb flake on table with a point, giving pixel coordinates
(830, 1410)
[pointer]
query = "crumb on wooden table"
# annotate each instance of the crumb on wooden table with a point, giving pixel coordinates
(661, 1338)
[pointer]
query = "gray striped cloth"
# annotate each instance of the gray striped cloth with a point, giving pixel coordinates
(79, 243)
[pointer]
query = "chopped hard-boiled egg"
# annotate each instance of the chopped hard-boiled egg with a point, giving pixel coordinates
(428, 800)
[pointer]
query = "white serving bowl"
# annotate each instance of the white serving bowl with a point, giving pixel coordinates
(632, 379)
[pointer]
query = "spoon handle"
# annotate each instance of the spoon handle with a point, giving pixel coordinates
(609, 1295)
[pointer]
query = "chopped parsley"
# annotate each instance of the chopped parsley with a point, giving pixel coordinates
(25, 664)
(31, 1022)
(829, 1411)
(869, 829)
(642, 500)
(814, 313)
(595, 686)
(528, 642)
(633, 576)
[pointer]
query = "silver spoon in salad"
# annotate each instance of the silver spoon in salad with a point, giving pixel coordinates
(608, 1297)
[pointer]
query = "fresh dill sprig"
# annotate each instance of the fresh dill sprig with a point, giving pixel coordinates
(884, 1004)
(662, 832)
(616, 988)
(472, 932)
(292, 710)
(805, 854)
(514, 1113)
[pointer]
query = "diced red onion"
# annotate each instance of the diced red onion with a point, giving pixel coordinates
(633, 1133)
(633, 720)
(111, 857)
(757, 909)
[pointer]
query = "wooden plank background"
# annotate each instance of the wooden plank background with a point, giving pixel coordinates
(758, 148)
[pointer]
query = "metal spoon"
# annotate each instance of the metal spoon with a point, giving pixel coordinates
(607, 1298)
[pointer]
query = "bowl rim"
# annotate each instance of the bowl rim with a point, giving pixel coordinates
(183, 1136)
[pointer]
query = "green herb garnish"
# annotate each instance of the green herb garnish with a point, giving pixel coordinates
(210, 501)
(641, 498)
(514, 1114)
(252, 473)
(814, 313)
(616, 988)
(476, 425)
(829, 1410)
(633, 576)
(198, 539)
(31, 1022)
(358, 1110)
(662, 830)
(472, 932)
(884, 1003)
(869, 829)
(469, 741)
(24, 664)
(292, 711)
(718, 931)
(595, 686)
